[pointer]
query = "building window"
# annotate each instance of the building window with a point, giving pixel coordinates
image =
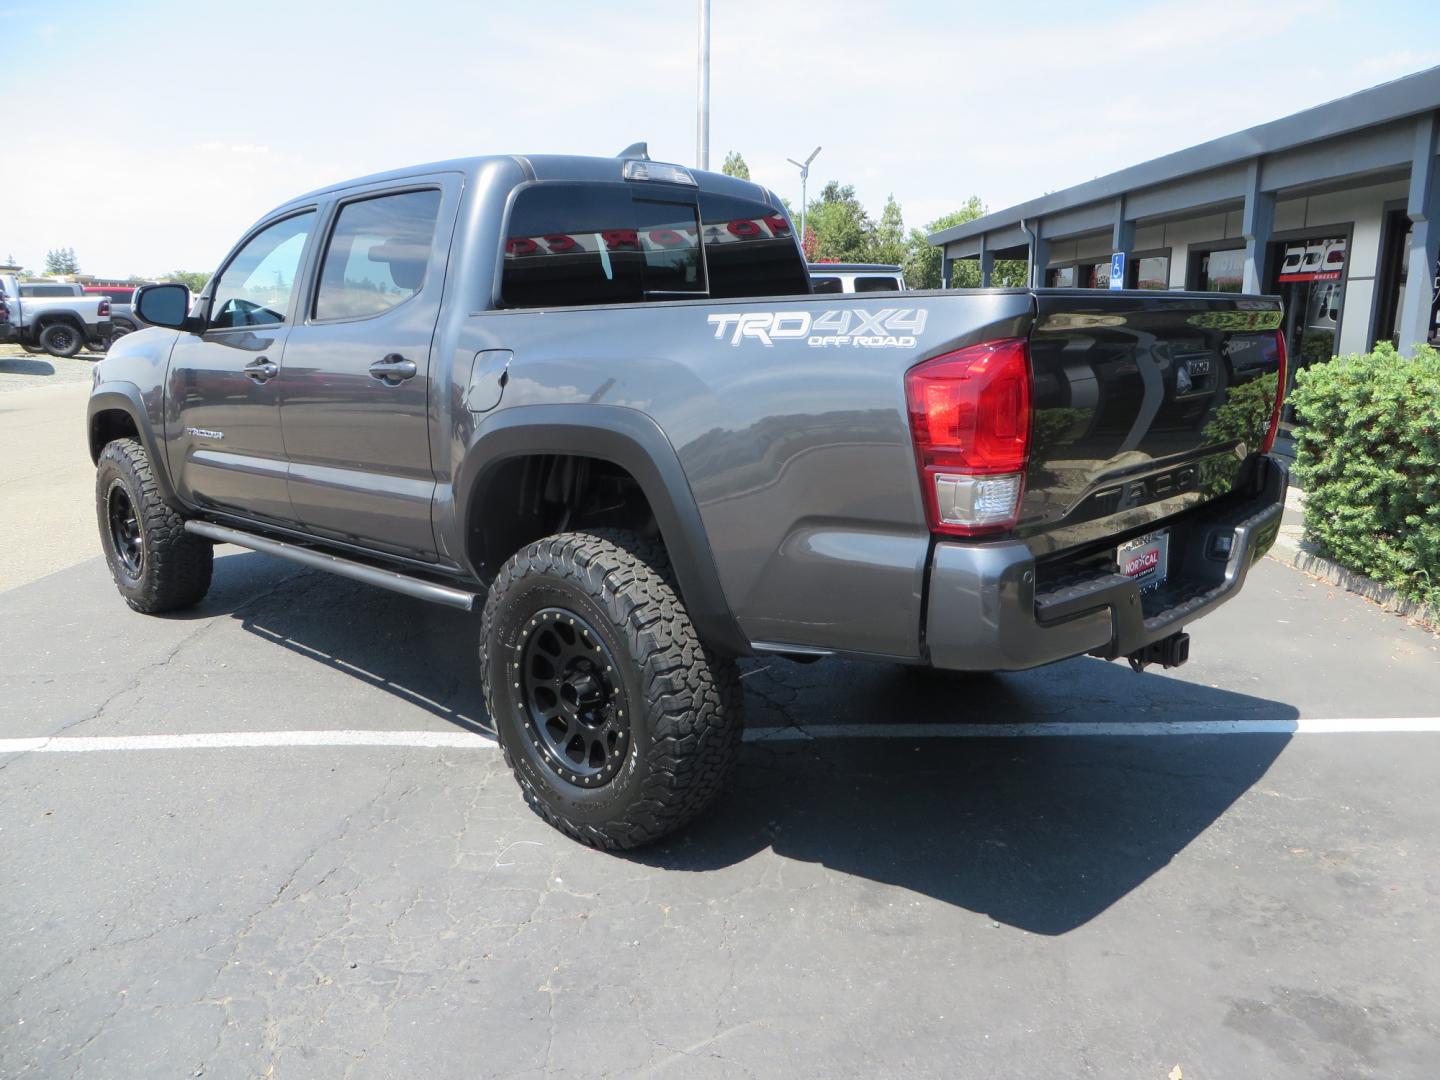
(1150, 272)
(1221, 271)
(1394, 274)
(1060, 277)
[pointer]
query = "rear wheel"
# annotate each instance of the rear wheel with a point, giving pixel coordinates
(156, 564)
(61, 339)
(618, 724)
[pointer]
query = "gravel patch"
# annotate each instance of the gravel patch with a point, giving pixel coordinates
(20, 370)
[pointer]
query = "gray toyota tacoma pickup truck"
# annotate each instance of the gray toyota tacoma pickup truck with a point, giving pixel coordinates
(596, 399)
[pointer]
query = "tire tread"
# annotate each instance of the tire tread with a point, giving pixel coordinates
(178, 565)
(691, 696)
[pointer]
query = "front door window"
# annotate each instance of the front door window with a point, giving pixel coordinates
(256, 288)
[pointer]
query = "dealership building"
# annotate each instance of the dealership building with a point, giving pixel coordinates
(1332, 208)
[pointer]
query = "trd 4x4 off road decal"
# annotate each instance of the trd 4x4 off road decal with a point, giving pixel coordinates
(888, 328)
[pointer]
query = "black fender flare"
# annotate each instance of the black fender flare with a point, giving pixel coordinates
(633, 441)
(125, 397)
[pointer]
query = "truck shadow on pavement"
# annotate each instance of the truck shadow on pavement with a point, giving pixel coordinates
(1040, 833)
(15, 365)
(419, 652)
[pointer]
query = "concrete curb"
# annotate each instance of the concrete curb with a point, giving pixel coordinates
(1303, 557)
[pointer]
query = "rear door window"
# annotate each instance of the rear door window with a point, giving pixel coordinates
(377, 255)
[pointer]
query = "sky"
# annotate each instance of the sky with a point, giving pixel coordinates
(149, 136)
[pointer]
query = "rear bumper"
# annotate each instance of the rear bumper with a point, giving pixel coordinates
(988, 610)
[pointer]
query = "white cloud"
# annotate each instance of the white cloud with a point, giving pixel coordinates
(215, 146)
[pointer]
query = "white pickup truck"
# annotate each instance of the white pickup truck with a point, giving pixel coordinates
(54, 317)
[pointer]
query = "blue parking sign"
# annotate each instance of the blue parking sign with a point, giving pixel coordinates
(1117, 270)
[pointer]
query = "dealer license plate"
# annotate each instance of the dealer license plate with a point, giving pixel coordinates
(1146, 559)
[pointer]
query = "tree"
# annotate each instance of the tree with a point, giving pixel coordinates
(923, 260)
(735, 166)
(61, 261)
(888, 245)
(843, 230)
(192, 279)
(810, 244)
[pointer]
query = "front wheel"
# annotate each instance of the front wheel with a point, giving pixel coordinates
(618, 724)
(156, 564)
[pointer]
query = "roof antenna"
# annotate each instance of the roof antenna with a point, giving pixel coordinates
(635, 152)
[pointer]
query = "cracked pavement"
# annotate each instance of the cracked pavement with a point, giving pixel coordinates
(1255, 905)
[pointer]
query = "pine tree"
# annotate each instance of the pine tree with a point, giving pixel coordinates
(60, 261)
(735, 166)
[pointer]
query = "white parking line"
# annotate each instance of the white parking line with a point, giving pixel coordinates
(462, 740)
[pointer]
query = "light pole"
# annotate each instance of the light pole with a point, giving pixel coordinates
(702, 120)
(804, 176)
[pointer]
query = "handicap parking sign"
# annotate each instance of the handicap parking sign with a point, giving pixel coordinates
(1117, 270)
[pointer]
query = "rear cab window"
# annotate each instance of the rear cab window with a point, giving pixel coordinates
(876, 284)
(577, 244)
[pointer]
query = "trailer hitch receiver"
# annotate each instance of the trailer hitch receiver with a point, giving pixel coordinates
(1167, 652)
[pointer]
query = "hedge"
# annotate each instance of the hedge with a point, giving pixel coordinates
(1368, 456)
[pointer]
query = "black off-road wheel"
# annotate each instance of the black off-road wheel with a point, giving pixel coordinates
(156, 564)
(618, 724)
(61, 339)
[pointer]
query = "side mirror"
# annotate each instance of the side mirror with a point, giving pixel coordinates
(164, 305)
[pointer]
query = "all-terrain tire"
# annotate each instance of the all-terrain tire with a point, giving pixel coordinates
(156, 564)
(62, 339)
(684, 721)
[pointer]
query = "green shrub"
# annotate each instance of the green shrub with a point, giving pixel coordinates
(1368, 450)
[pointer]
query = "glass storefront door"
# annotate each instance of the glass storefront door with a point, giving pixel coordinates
(1309, 276)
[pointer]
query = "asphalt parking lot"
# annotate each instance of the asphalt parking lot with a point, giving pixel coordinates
(285, 847)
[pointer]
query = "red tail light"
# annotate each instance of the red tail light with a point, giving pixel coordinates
(104, 308)
(970, 421)
(1283, 359)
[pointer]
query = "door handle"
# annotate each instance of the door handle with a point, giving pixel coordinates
(261, 369)
(394, 369)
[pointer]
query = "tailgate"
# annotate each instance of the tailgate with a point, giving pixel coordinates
(1145, 404)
